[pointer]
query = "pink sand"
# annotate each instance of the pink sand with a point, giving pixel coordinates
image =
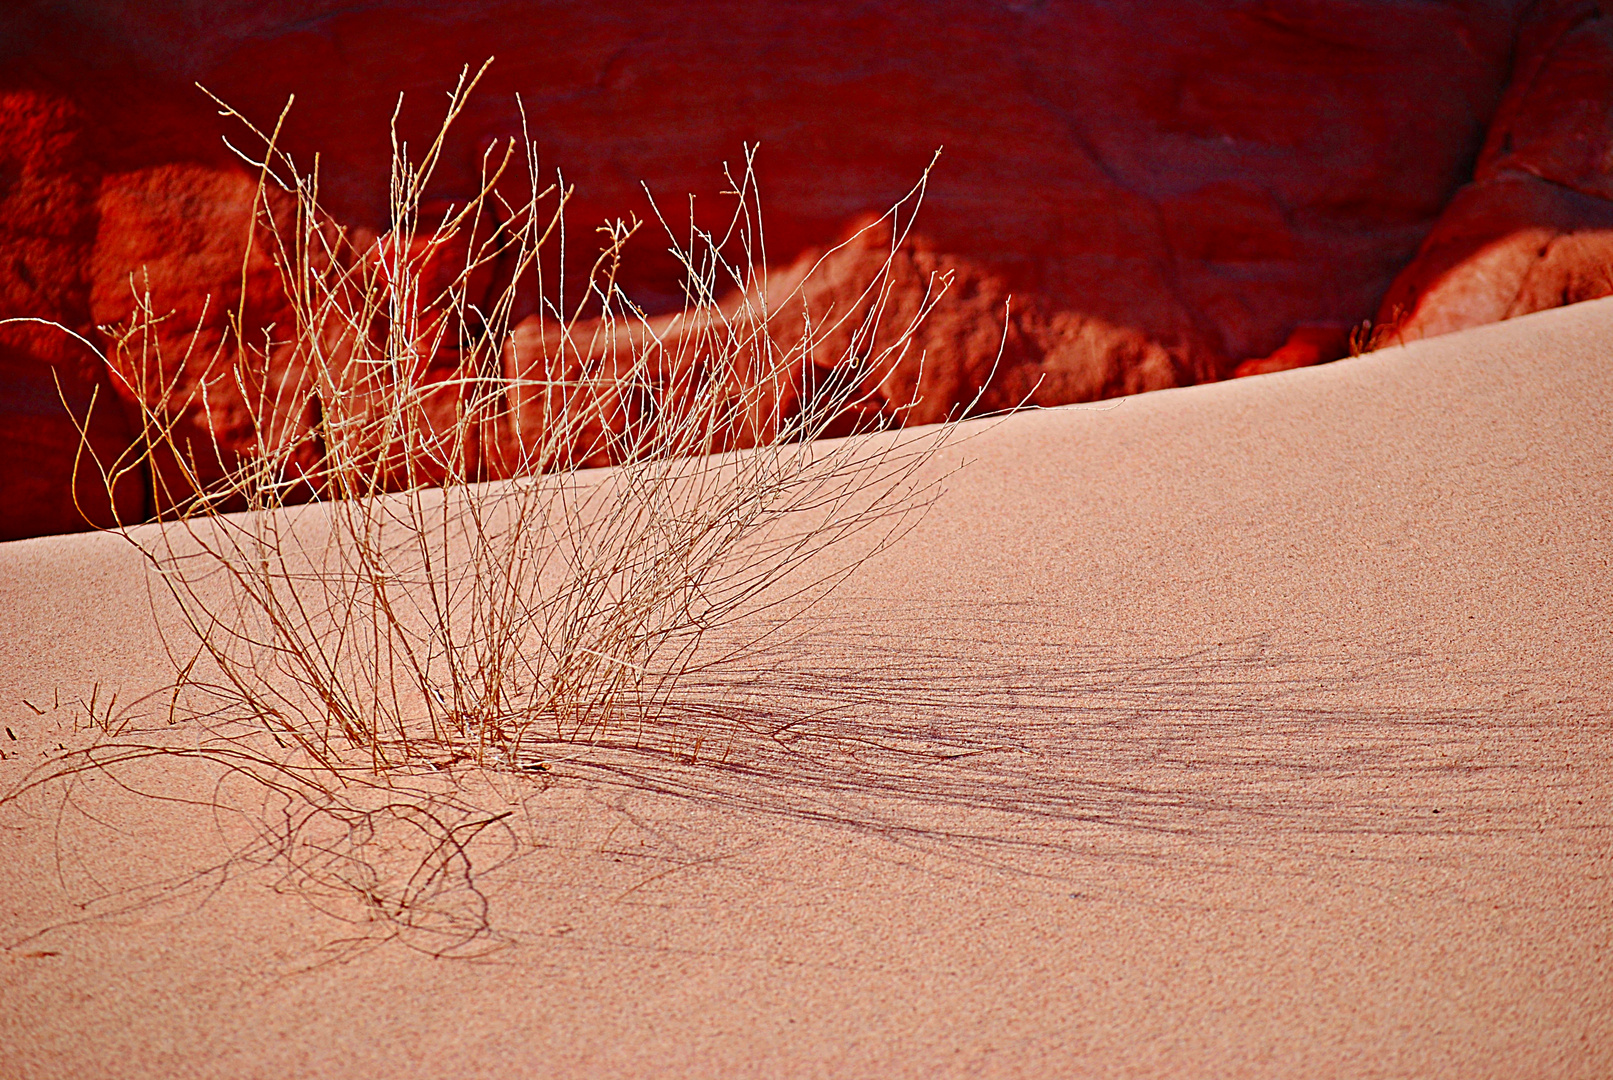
(1282, 719)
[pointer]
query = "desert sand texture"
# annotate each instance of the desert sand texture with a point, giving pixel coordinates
(1251, 729)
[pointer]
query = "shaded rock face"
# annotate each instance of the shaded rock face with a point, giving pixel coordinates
(1131, 196)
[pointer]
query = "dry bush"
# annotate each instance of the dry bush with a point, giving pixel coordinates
(399, 557)
(409, 561)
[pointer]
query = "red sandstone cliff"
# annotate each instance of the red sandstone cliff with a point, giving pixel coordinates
(1166, 189)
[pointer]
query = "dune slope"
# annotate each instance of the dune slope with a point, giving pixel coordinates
(1259, 728)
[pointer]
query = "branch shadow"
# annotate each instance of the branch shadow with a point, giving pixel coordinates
(1010, 754)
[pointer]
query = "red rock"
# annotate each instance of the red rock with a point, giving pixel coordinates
(1556, 120)
(1506, 246)
(48, 380)
(1535, 228)
(569, 406)
(422, 269)
(1305, 347)
(419, 281)
(1163, 190)
(179, 234)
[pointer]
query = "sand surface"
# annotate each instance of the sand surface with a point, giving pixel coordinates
(1269, 732)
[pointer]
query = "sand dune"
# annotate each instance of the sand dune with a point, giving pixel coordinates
(1253, 729)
